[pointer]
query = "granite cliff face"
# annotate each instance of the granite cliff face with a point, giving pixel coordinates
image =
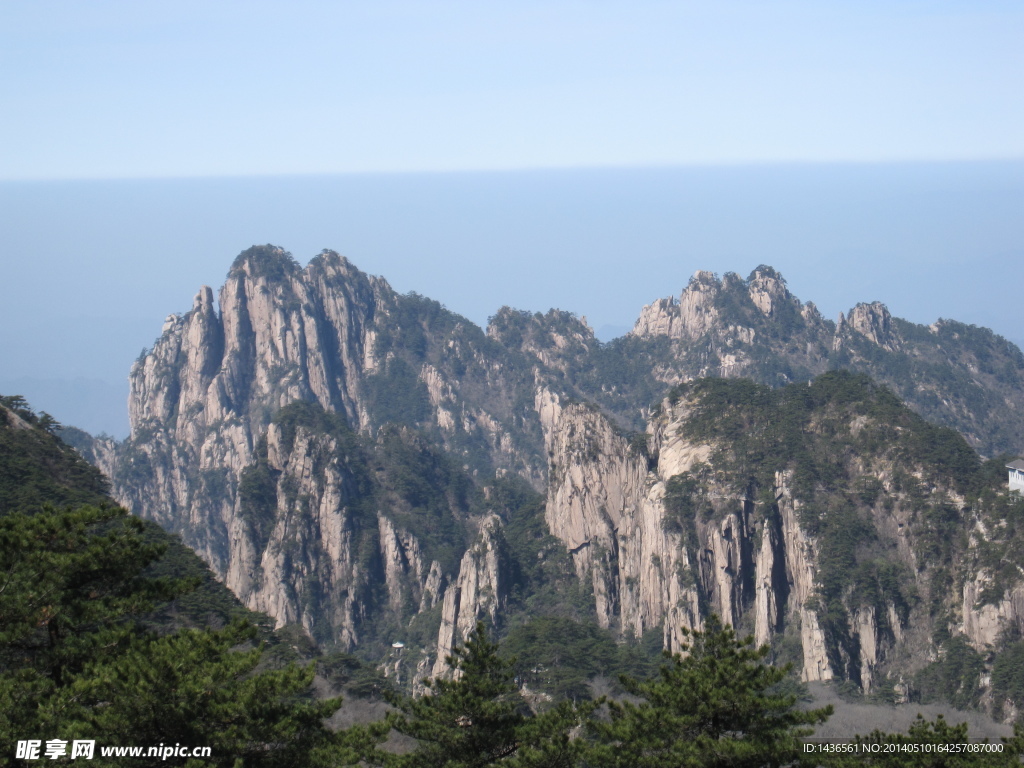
(607, 506)
(830, 529)
(203, 403)
(205, 394)
(951, 373)
(338, 454)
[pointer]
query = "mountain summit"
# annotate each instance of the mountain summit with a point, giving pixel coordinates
(365, 463)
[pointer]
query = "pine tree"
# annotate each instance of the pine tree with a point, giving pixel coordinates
(192, 688)
(77, 661)
(70, 589)
(478, 718)
(713, 706)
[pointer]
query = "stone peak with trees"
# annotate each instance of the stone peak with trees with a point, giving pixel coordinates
(367, 465)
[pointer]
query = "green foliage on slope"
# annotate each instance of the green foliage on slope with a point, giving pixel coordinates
(478, 718)
(559, 656)
(91, 639)
(811, 428)
(398, 474)
(36, 469)
(77, 659)
(955, 678)
(855, 458)
(716, 706)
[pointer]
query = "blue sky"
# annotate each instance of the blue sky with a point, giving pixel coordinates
(583, 155)
(127, 89)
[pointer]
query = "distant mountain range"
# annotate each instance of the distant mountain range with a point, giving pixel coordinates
(369, 466)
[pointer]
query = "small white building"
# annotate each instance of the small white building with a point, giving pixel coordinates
(1016, 475)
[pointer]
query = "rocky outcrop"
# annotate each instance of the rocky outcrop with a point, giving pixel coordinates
(478, 593)
(306, 569)
(557, 340)
(871, 321)
(694, 315)
(768, 292)
(203, 397)
(800, 570)
(303, 518)
(403, 566)
(984, 622)
(755, 328)
(608, 509)
(663, 538)
(659, 319)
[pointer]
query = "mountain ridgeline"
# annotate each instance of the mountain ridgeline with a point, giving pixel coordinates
(373, 467)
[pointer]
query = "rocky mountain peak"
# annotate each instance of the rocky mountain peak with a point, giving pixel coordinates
(768, 290)
(267, 261)
(873, 322)
(690, 317)
(327, 446)
(203, 301)
(556, 338)
(699, 308)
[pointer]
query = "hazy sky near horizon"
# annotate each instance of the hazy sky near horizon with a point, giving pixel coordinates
(118, 88)
(92, 267)
(585, 155)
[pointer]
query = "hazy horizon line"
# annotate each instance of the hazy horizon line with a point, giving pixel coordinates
(676, 166)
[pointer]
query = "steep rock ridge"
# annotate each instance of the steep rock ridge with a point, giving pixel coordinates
(347, 535)
(308, 569)
(282, 334)
(850, 584)
(659, 319)
(403, 563)
(212, 382)
(328, 334)
(985, 622)
(992, 606)
(350, 537)
(593, 482)
(607, 504)
(873, 322)
(558, 340)
(959, 375)
(355, 539)
(801, 570)
(694, 315)
(479, 592)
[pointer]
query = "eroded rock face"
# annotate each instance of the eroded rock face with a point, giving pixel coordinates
(755, 328)
(985, 621)
(873, 322)
(479, 592)
(305, 568)
(800, 559)
(205, 394)
(207, 390)
(768, 291)
(692, 316)
(607, 504)
(746, 556)
(526, 398)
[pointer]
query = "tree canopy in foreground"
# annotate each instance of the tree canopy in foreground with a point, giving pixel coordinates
(715, 705)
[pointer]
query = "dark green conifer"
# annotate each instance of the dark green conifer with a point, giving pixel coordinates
(713, 706)
(77, 661)
(479, 718)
